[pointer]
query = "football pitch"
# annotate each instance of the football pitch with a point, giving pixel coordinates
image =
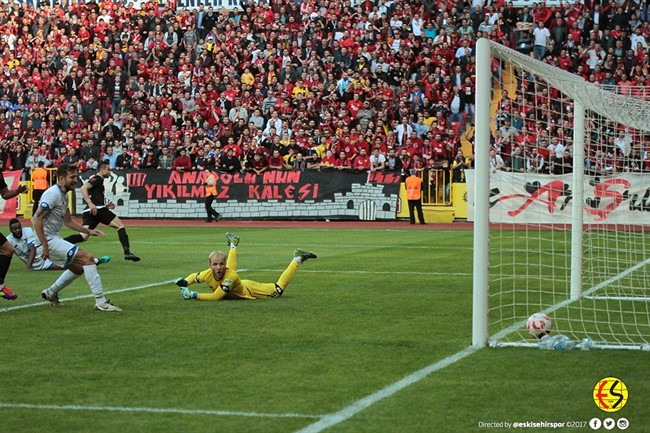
(373, 336)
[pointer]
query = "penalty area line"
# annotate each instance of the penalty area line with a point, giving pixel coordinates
(154, 410)
(348, 412)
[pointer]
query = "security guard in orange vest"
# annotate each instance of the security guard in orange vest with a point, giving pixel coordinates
(210, 195)
(39, 183)
(414, 194)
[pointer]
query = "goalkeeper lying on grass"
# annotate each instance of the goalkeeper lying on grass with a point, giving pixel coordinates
(225, 283)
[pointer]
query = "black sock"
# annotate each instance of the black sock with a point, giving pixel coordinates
(5, 261)
(75, 239)
(124, 240)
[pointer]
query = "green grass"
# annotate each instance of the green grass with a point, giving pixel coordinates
(375, 307)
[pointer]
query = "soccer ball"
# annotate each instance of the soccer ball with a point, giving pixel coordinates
(539, 325)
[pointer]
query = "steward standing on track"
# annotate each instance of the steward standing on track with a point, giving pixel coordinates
(210, 195)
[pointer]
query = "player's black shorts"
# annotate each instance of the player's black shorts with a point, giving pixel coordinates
(103, 216)
(3, 239)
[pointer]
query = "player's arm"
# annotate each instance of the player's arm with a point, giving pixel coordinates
(31, 255)
(200, 277)
(7, 193)
(37, 222)
(86, 195)
(72, 224)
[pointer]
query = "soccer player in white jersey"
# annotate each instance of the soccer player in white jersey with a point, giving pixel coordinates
(52, 214)
(28, 248)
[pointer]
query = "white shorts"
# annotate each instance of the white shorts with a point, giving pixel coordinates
(62, 252)
(41, 265)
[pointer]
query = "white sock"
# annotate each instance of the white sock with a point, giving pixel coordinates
(95, 283)
(66, 278)
(298, 259)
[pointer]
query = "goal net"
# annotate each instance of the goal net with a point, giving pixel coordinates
(560, 199)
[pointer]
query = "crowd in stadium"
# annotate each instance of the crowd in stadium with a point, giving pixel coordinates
(312, 84)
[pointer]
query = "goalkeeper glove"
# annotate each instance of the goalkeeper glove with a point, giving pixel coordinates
(182, 282)
(188, 294)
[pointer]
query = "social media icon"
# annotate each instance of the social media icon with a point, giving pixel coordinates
(595, 423)
(622, 424)
(609, 423)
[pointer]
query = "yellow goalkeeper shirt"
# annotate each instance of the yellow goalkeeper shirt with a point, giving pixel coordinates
(230, 286)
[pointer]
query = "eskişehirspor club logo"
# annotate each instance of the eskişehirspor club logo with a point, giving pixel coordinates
(610, 394)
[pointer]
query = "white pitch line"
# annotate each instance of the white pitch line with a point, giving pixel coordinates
(329, 271)
(330, 420)
(258, 244)
(155, 410)
(161, 283)
(90, 295)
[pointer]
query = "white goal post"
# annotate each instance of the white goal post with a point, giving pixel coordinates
(561, 207)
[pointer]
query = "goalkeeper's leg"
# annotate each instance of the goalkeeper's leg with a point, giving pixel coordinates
(272, 290)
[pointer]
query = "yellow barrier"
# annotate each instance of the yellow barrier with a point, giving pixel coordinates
(24, 206)
(437, 191)
(26, 200)
(459, 198)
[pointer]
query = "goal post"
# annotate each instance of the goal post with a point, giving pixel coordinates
(560, 200)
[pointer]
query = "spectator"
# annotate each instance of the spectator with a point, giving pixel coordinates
(496, 162)
(182, 162)
(518, 161)
(542, 40)
(229, 162)
(258, 165)
(165, 161)
(329, 160)
(124, 159)
(148, 161)
(362, 161)
(276, 161)
(300, 163)
(313, 161)
(377, 160)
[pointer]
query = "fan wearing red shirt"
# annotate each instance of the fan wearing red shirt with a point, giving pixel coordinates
(346, 146)
(543, 149)
(342, 162)
(276, 161)
(259, 163)
(361, 143)
(564, 61)
(362, 161)
(329, 160)
(166, 120)
(354, 105)
(182, 162)
(438, 147)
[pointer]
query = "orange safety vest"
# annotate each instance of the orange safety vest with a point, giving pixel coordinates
(211, 185)
(413, 187)
(39, 179)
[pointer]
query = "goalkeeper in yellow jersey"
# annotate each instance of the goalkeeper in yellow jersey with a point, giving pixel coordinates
(225, 283)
